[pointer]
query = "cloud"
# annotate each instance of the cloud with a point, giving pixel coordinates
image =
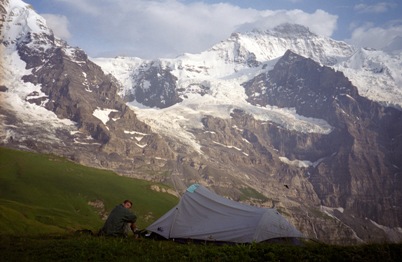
(375, 37)
(166, 28)
(319, 22)
(58, 24)
(381, 7)
(88, 7)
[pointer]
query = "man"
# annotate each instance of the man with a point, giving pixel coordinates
(119, 221)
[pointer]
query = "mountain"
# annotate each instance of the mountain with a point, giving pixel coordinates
(279, 118)
(56, 100)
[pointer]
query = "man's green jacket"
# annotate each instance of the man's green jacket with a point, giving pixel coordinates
(116, 223)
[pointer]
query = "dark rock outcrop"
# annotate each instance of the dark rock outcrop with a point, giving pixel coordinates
(155, 86)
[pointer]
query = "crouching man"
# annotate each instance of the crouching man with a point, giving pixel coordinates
(120, 221)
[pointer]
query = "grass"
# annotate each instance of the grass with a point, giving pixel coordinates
(89, 248)
(48, 194)
(251, 193)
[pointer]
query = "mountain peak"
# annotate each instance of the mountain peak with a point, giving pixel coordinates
(291, 30)
(273, 43)
(285, 30)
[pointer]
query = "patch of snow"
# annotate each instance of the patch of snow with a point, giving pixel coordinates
(385, 228)
(230, 147)
(245, 140)
(330, 210)
(103, 114)
(141, 146)
(134, 133)
(122, 68)
(393, 233)
(298, 163)
(173, 121)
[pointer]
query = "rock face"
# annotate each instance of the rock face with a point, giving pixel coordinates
(359, 158)
(155, 86)
(340, 184)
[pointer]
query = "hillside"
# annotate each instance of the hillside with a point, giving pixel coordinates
(42, 194)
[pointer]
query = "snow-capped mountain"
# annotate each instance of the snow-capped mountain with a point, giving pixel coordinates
(217, 74)
(255, 112)
(376, 73)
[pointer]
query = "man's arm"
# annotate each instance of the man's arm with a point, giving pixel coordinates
(129, 217)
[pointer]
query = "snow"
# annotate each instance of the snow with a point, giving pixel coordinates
(385, 228)
(103, 114)
(20, 21)
(296, 162)
(139, 136)
(330, 210)
(225, 93)
(12, 68)
(141, 146)
(230, 147)
(122, 68)
(222, 70)
(135, 132)
(29, 114)
(376, 74)
(173, 121)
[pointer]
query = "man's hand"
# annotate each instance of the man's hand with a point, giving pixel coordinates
(133, 227)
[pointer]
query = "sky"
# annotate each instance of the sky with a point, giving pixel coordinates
(151, 29)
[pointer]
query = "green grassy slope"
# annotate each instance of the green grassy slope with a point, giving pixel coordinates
(42, 194)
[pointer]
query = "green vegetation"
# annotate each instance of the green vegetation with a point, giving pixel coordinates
(251, 193)
(44, 201)
(89, 248)
(43, 194)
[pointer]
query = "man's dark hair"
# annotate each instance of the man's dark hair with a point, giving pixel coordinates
(127, 201)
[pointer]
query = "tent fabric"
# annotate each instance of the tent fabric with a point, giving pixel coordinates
(203, 215)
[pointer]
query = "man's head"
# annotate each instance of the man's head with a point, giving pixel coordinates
(127, 204)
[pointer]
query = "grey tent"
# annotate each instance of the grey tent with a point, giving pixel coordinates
(203, 215)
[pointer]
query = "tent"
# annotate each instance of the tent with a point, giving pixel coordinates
(203, 215)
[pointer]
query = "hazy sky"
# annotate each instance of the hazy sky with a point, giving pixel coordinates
(167, 28)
